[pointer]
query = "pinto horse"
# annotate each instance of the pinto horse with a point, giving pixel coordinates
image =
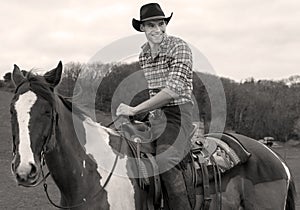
(91, 172)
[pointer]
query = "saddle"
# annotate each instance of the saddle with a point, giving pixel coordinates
(139, 138)
(213, 155)
(221, 150)
(139, 132)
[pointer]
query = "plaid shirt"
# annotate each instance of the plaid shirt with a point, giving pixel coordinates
(171, 68)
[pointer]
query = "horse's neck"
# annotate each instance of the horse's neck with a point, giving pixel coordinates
(68, 162)
(95, 156)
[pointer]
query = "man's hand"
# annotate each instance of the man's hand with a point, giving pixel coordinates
(125, 110)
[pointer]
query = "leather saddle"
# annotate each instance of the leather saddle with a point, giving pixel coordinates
(221, 149)
(139, 137)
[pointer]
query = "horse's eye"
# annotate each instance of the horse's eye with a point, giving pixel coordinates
(48, 112)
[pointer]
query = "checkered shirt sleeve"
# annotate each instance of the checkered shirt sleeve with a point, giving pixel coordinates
(179, 77)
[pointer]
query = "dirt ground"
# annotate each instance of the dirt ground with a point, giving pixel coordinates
(15, 197)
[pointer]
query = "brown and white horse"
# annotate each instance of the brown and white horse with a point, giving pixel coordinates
(94, 171)
(79, 159)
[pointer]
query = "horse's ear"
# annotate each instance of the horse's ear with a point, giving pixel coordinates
(53, 76)
(17, 76)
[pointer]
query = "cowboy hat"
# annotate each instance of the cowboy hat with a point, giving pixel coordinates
(150, 11)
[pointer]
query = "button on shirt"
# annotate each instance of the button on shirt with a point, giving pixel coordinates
(171, 68)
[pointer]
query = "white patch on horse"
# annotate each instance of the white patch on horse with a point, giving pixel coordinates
(23, 107)
(83, 165)
(119, 186)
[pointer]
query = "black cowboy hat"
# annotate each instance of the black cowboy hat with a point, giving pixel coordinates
(150, 11)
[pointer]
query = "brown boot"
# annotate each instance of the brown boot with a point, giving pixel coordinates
(174, 184)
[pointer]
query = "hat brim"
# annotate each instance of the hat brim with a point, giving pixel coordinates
(137, 23)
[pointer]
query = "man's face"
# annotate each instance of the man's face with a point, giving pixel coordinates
(154, 30)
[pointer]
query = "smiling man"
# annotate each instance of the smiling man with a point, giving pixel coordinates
(167, 65)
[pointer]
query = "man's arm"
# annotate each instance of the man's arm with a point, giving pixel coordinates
(160, 99)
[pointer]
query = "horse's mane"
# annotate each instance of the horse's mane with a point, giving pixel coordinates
(72, 107)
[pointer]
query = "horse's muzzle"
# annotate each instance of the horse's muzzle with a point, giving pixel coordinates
(26, 175)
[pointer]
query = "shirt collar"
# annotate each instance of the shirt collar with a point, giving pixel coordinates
(162, 46)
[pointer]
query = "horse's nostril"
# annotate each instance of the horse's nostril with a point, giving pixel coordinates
(20, 178)
(33, 171)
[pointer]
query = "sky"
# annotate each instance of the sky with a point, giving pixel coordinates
(239, 39)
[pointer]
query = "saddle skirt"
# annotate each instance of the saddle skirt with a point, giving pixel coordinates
(219, 148)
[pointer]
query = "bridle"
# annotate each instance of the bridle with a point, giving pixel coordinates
(46, 150)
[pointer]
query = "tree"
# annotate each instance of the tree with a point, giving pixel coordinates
(109, 85)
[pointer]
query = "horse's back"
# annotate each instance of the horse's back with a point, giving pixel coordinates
(264, 165)
(260, 183)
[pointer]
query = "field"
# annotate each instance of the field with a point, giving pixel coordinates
(15, 197)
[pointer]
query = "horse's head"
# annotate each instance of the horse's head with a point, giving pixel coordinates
(32, 120)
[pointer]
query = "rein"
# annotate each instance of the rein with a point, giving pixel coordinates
(112, 122)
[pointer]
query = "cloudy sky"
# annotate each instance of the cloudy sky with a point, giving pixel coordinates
(239, 38)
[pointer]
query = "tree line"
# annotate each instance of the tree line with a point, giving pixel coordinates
(253, 108)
